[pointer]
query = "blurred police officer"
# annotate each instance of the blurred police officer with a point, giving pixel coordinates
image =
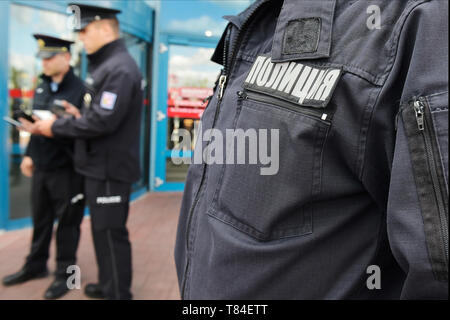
(57, 191)
(109, 154)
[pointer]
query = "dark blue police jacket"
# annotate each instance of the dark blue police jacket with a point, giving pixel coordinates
(358, 208)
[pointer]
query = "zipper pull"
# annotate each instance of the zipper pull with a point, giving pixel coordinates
(418, 108)
(241, 95)
(222, 82)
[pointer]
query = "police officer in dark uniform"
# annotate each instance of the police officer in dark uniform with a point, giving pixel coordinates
(108, 156)
(57, 191)
(357, 93)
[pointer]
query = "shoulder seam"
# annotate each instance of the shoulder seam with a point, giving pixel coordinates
(413, 4)
(389, 66)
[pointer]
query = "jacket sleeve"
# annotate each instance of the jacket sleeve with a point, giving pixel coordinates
(109, 108)
(417, 212)
(28, 149)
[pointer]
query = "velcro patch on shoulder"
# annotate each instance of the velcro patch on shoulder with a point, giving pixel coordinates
(302, 35)
(292, 81)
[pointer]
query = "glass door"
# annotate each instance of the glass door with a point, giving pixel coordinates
(24, 71)
(139, 50)
(190, 81)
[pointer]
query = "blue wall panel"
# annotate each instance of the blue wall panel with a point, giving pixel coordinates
(160, 120)
(4, 156)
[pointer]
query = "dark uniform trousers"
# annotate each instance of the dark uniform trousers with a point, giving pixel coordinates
(109, 204)
(55, 194)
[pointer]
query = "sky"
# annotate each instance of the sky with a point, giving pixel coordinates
(192, 65)
(197, 16)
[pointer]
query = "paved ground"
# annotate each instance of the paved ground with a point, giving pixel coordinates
(152, 225)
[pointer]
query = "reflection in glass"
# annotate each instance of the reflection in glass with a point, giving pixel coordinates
(139, 51)
(191, 78)
(24, 70)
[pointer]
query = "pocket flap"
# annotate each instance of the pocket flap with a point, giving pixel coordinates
(298, 83)
(304, 30)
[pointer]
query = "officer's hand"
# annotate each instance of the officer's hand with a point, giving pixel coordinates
(71, 109)
(28, 126)
(44, 127)
(27, 167)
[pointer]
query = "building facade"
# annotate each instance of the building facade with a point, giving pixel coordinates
(171, 41)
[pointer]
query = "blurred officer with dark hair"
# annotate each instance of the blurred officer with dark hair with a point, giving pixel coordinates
(109, 154)
(57, 191)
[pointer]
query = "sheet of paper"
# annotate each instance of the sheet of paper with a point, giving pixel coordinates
(43, 114)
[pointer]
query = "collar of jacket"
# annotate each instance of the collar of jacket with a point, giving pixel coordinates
(240, 19)
(67, 79)
(106, 51)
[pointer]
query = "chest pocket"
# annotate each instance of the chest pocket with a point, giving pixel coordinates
(284, 111)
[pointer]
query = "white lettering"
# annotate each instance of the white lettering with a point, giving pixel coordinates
(107, 200)
(255, 69)
(264, 73)
(328, 83)
(290, 77)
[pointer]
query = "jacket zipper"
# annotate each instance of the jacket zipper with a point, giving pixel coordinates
(309, 112)
(424, 124)
(221, 89)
